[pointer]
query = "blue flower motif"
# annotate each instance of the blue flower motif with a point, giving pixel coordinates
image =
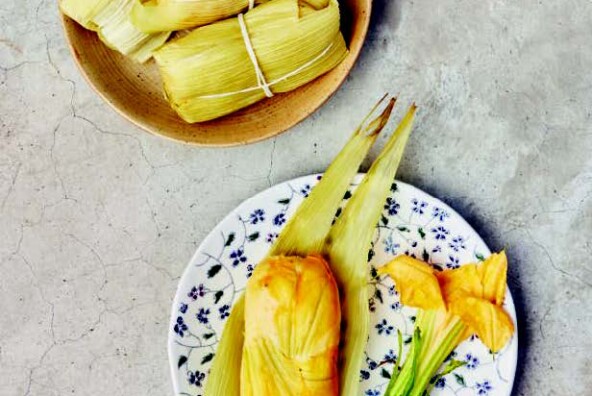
(257, 216)
(196, 292)
(196, 378)
(440, 383)
(440, 232)
(180, 326)
(390, 356)
(372, 392)
(437, 249)
(396, 306)
(183, 308)
(202, 315)
(418, 206)
(250, 270)
(392, 291)
(392, 206)
(224, 311)
(440, 213)
(271, 237)
(238, 256)
(305, 190)
(279, 219)
(371, 363)
(364, 375)
(483, 388)
(390, 246)
(384, 327)
(452, 262)
(457, 243)
(472, 361)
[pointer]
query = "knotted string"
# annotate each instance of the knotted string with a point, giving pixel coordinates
(261, 81)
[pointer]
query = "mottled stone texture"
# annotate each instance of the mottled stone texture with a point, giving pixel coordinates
(98, 219)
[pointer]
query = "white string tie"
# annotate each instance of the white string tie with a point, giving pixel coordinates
(261, 82)
(251, 4)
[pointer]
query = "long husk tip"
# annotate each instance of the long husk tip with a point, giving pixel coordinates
(376, 125)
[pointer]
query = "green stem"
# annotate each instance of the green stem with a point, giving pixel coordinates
(429, 366)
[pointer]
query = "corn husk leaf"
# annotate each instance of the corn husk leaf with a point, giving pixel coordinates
(347, 248)
(292, 328)
(304, 233)
(117, 32)
(208, 73)
(416, 282)
(154, 16)
(83, 11)
(110, 19)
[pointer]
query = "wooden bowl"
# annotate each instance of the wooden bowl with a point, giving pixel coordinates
(135, 90)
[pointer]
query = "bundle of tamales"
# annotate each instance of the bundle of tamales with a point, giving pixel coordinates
(211, 71)
(274, 47)
(110, 19)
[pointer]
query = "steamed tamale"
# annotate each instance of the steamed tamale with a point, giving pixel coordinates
(110, 19)
(292, 324)
(304, 235)
(210, 73)
(153, 16)
(167, 15)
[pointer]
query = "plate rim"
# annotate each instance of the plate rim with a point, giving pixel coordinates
(356, 178)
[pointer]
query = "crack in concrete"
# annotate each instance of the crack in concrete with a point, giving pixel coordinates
(11, 187)
(271, 155)
(552, 262)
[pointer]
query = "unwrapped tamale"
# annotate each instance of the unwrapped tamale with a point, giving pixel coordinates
(209, 72)
(292, 325)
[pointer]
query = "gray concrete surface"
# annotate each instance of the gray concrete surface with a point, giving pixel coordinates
(98, 219)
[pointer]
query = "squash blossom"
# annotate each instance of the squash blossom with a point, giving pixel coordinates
(453, 304)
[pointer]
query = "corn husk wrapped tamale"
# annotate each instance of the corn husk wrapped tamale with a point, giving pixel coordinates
(209, 73)
(153, 16)
(303, 236)
(110, 19)
(168, 15)
(292, 326)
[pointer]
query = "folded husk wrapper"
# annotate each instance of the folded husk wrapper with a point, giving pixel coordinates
(110, 19)
(153, 16)
(208, 73)
(292, 329)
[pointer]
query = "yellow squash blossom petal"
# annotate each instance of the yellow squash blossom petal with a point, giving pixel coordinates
(493, 272)
(416, 282)
(492, 324)
(292, 329)
(460, 282)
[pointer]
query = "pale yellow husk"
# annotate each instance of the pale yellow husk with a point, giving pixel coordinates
(208, 73)
(153, 16)
(110, 19)
(304, 235)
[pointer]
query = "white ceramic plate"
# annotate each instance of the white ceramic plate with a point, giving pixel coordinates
(413, 222)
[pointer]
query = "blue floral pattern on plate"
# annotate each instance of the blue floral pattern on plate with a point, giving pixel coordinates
(412, 223)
